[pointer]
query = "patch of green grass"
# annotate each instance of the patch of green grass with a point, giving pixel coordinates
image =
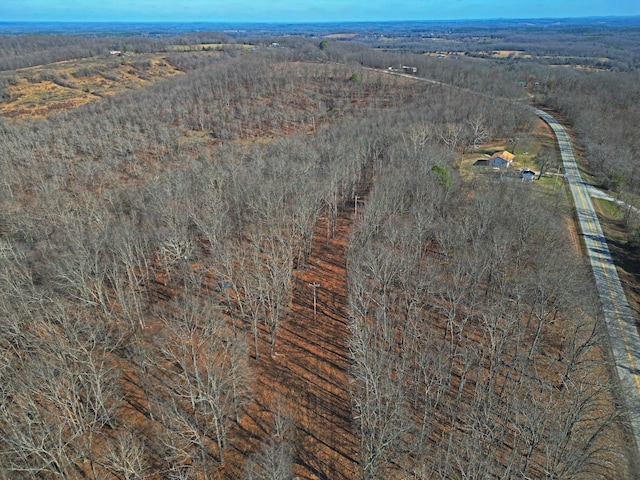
(548, 181)
(610, 209)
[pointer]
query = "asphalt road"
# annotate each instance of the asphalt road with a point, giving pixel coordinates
(621, 325)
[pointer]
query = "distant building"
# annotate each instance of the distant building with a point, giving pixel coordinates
(483, 162)
(501, 159)
(115, 52)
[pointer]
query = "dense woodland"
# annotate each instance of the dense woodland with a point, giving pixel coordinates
(155, 248)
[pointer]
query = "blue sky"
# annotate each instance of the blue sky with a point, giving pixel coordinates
(305, 10)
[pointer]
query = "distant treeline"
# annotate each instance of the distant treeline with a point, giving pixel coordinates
(21, 51)
(611, 48)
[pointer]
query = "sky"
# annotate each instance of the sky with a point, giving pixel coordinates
(304, 10)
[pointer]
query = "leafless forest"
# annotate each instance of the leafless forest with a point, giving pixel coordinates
(272, 265)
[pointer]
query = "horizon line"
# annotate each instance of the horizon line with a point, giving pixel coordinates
(321, 22)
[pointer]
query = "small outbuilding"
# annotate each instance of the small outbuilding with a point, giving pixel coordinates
(526, 174)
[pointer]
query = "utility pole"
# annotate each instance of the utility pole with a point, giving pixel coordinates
(315, 299)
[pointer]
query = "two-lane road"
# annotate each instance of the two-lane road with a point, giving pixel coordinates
(623, 333)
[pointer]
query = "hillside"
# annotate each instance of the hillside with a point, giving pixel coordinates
(35, 92)
(255, 264)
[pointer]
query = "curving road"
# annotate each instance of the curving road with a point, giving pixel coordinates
(623, 332)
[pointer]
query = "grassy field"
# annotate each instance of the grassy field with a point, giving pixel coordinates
(38, 91)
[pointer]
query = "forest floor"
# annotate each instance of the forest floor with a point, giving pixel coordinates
(305, 375)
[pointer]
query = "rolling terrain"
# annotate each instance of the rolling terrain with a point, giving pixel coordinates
(273, 263)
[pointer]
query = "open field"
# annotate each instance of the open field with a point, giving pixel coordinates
(36, 92)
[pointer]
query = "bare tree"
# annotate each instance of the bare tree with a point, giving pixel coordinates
(68, 395)
(126, 456)
(207, 379)
(274, 459)
(378, 394)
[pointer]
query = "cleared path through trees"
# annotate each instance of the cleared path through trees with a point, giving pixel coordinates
(621, 325)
